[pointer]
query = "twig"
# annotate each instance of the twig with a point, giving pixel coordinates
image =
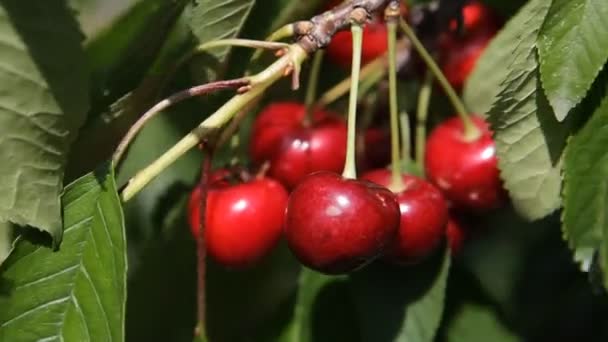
(164, 104)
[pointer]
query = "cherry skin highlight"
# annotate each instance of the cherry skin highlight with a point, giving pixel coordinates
(424, 215)
(465, 171)
(243, 222)
(336, 225)
(273, 122)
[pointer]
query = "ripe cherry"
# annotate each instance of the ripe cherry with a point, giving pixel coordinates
(424, 215)
(375, 152)
(455, 235)
(336, 225)
(464, 170)
(295, 150)
(461, 50)
(460, 56)
(243, 222)
(273, 122)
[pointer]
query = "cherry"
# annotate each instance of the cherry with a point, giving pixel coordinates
(243, 222)
(460, 56)
(460, 52)
(464, 170)
(306, 150)
(456, 235)
(375, 44)
(336, 225)
(273, 122)
(424, 215)
(375, 152)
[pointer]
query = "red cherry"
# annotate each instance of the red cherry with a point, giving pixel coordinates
(460, 56)
(375, 149)
(464, 170)
(424, 215)
(375, 35)
(477, 17)
(336, 225)
(243, 222)
(456, 235)
(273, 122)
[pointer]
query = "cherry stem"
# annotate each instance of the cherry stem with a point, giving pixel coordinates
(201, 248)
(406, 147)
(313, 81)
(164, 104)
(397, 180)
(282, 33)
(470, 130)
(374, 70)
(258, 83)
(350, 167)
(422, 113)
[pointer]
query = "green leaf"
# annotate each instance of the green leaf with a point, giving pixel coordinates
(43, 102)
(6, 240)
(572, 48)
(484, 83)
(323, 310)
(401, 303)
(585, 224)
(478, 323)
(76, 293)
(529, 140)
(213, 20)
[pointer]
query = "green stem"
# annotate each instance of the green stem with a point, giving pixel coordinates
(397, 180)
(421, 117)
(259, 83)
(470, 130)
(373, 70)
(313, 81)
(406, 147)
(350, 167)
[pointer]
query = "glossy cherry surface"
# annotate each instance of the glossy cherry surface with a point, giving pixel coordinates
(274, 122)
(307, 150)
(336, 225)
(424, 215)
(465, 171)
(477, 18)
(243, 222)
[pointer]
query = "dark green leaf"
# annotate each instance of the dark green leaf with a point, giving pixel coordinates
(218, 19)
(43, 102)
(76, 293)
(572, 48)
(401, 303)
(478, 323)
(529, 140)
(323, 310)
(585, 223)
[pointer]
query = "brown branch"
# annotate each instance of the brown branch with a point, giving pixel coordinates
(171, 100)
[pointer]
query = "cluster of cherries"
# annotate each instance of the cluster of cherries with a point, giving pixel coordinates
(335, 224)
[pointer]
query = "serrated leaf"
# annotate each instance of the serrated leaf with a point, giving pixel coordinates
(572, 48)
(218, 19)
(401, 303)
(43, 102)
(484, 83)
(528, 138)
(585, 224)
(77, 293)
